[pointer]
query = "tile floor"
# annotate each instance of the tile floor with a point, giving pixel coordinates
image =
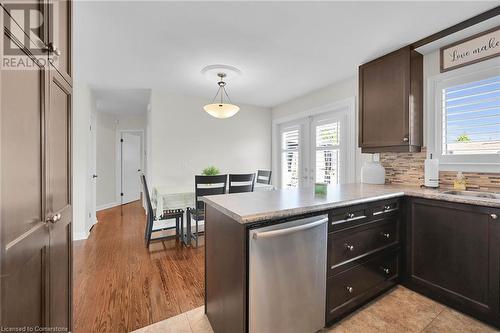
(400, 310)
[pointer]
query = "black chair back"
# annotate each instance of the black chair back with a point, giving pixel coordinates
(239, 183)
(208, 185)
(264, 177)
(149, 206)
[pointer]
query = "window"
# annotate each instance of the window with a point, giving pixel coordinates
(471, 118)
(463, 120)
(327, 153)
(290, 157)
(315, 150)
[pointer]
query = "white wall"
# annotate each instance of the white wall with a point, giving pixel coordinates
(342, 90)
(185, 140)
(107, 157)
(82, 108)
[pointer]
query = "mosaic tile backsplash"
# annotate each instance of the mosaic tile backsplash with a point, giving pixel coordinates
(408, 169)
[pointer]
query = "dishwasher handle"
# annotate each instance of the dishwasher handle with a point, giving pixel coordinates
(286, 231)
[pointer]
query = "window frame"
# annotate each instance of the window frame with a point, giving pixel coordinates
(342, 146)
(435, 86)
(283, 129)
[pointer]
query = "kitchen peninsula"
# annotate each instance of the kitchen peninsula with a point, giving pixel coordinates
(367, 239)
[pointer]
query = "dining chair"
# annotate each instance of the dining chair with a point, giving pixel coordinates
(264, 177)
(153, 225)
(203, 186)
(239, 183)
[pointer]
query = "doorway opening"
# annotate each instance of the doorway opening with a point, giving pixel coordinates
(131, 147)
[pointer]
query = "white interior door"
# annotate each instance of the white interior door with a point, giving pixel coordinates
(130, 166)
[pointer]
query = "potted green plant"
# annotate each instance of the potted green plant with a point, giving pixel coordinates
(210, 171)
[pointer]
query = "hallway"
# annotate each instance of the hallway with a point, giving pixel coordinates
(120, 285)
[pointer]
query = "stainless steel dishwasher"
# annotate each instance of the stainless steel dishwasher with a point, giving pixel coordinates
(287, 276)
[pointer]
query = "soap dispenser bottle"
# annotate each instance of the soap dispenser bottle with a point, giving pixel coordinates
(460, 182)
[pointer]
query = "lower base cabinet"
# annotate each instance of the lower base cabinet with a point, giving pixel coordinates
(364, 255)
(453, 256)
(358, 284)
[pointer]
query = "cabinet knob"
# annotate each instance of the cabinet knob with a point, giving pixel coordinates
(349, 247)
(494, 216)
(53, 49)
(386, 234)
(405, 139)
(385, 270)
(54, 218)
(350, 289)
(387, 207)
(350, 215)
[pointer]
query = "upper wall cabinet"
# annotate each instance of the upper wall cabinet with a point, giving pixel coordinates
(390, 103)
(49, 24)
(59, 36)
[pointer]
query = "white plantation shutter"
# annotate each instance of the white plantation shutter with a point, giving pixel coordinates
(327, 152)
(290, 157)
(471, 118)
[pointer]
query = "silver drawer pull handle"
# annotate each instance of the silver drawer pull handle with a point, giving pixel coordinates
(386, 270)
(387, 207)
(493, 216)
(349, 247)
(350, 215)
(350, 289)
(386, 234)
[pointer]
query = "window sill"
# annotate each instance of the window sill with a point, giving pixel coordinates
(469, 167)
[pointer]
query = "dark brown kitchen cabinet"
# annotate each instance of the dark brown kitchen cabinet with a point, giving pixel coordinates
(35, 179)
(364, 255)
(454, 255)
(59, 37)
(390, 103)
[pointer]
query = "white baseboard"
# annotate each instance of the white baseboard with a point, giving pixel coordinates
(80, 235)
(108, 205)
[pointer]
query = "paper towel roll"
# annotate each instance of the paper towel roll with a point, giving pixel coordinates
(431, 167)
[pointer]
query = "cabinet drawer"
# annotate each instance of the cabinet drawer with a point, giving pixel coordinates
(383, 208)
(357, 281)
(347, 217)
(353, 243)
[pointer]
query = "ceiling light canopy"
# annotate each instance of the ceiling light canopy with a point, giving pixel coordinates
(221, 109)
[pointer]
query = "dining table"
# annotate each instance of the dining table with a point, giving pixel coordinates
(164, 198)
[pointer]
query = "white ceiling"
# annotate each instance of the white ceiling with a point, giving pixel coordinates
(127, 102)
(284, 49)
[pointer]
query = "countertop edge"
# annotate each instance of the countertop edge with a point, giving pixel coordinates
(316, 208)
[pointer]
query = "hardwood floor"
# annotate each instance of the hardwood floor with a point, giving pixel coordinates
(120, 285)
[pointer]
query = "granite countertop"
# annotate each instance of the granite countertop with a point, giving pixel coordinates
(265, 205)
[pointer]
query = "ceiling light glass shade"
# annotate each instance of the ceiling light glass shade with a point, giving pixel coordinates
(221, 110)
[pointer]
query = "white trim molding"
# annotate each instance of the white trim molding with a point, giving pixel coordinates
(435, 84)
(107, 206)
(80, 236)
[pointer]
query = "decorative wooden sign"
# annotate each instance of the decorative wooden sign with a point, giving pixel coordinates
(474, 49)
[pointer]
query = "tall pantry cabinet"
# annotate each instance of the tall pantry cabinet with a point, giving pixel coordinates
(35, 164)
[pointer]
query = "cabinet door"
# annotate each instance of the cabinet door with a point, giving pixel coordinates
(454, 255)
(383, 100)
(60, 16)
(24, 233)
(58, 123)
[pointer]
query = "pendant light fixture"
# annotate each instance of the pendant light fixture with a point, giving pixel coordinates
(221, 109)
